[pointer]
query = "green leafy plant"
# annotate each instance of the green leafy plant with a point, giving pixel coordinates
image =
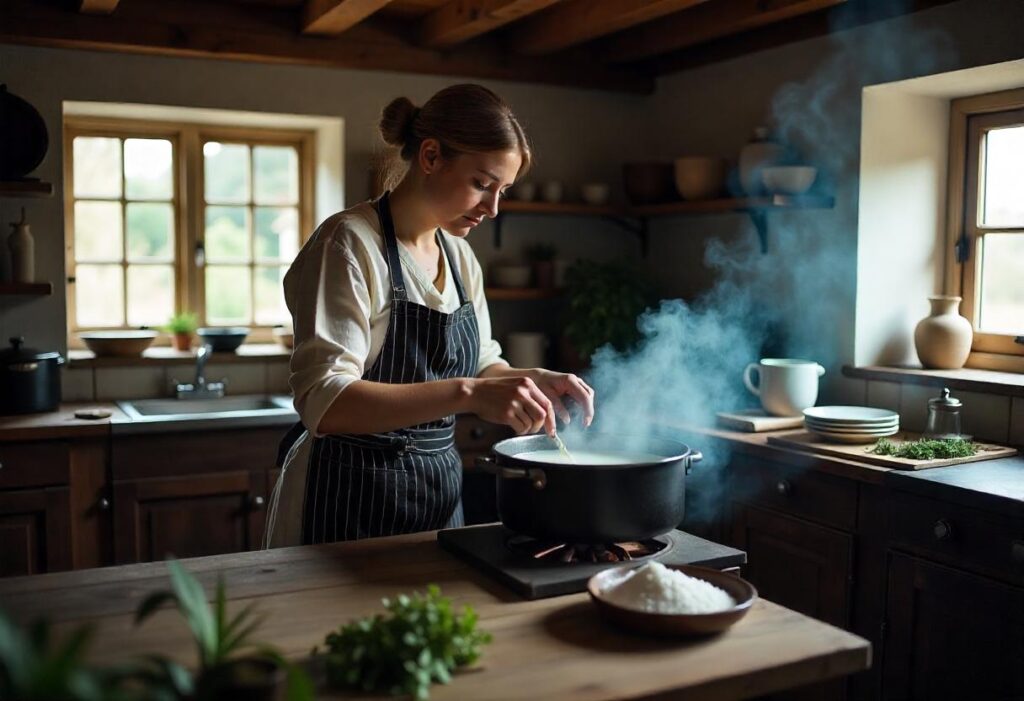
(925, 449)
(186, 322)
(220, 639)
(540, 252)
(605, 300)
(419, 641)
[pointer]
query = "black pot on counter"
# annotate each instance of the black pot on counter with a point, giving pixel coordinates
(591, 504)
(29, 379)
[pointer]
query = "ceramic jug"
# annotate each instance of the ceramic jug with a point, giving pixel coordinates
(22, 247)
(943, 338)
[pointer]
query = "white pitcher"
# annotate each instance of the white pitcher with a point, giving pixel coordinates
(786, 386)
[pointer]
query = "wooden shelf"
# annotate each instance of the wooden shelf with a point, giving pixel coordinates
(561, 208)
(25, 188)
(518, 294)
(734, 204)
(38, 289)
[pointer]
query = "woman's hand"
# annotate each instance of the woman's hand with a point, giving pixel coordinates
(556, 385)
(513, 401)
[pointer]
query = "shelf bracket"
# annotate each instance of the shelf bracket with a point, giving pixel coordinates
(760, 219)
(638, 227)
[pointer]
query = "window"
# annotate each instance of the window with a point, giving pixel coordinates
(165, 218)
(988, 135)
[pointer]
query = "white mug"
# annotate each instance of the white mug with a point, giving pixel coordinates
(786, 386)
(526, 350)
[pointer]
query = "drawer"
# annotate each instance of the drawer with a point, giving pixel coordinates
(474, 435)
(177, 454)
(965, 536)
(812, 495)
(34, 464)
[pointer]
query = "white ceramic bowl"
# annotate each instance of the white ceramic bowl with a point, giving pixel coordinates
(595, 193)
(700, 177)
(511, 275)
(125, 343)
(788, 180)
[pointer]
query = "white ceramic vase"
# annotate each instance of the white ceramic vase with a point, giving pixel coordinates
(943, 338)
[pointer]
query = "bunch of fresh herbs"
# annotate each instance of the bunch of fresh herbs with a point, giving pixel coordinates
(926, 449)
(419, 641)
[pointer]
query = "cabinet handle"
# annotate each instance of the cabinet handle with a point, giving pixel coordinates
(257, 503)
(1017, 552)
(476, 433)
(784, 487)
(943, 530)
(103, 504)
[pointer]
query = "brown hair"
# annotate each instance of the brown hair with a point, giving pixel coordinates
(464, 118)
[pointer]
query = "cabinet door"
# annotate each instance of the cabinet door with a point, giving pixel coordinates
(189, 516)
(35, 531)
(801, 565)
(951, 635)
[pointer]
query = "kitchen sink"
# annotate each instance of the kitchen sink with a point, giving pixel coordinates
(148, 415)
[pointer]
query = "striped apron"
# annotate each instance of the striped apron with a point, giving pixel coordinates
(408, 480)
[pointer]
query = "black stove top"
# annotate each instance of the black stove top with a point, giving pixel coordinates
(499, 552)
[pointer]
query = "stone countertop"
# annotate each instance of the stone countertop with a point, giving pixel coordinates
(58, 424)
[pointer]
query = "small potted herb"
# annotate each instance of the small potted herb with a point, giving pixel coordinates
(542, 258)
(231, 664)
(182, 327)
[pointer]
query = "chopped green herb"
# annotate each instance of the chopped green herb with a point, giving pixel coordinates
(926, 449)
(421, 641)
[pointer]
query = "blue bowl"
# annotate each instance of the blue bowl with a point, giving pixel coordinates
(223, 339)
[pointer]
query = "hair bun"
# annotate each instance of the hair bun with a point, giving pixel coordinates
(396, 121)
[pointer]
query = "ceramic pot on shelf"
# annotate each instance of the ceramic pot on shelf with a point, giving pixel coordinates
(943, 338)
(760, 152)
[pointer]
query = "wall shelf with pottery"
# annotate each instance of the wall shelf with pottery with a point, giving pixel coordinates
(635, 218)
(36, 289)
(520, 294)
(25, 188)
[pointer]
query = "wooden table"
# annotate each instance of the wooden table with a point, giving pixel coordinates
(555, 648)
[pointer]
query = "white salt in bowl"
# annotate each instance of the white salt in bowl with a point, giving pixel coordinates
(673, 624)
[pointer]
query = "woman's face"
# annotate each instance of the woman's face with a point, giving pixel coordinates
(467, 188)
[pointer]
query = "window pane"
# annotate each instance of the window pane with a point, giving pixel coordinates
(270, 307)
(150, 294)
(97, 167)
(147, 169)
(149, 232)
(99, 295)
(277, 233)
(98, 231)
(1004, 177)
(1002, 292)
(276, 174)
(226, 172)
(228, 299)
(227, 234)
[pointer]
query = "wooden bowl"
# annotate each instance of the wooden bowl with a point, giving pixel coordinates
(125, 343)
(674, 624)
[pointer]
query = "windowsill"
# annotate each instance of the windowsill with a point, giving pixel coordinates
(969, 379)
(160, 356)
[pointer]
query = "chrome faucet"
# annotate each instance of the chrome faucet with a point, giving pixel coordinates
(200, 388)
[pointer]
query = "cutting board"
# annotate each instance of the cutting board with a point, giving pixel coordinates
(810, 443)
(756, 421)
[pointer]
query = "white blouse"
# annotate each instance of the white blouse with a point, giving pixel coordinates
(338, 291)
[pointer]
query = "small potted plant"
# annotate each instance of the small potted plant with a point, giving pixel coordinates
(231, 664)
(181, 327)
(542, 258)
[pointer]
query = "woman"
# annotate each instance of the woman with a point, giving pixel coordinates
(393, 337)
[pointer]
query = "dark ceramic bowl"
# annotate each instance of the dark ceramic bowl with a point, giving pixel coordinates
(223, 339)
(675, 624)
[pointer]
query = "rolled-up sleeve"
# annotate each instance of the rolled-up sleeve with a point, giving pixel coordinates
(490, 349)
(327, 294)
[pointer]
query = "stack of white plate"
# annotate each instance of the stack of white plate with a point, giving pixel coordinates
(851, 424)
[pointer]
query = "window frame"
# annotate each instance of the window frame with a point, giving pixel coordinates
(189, 203)
(970, 118)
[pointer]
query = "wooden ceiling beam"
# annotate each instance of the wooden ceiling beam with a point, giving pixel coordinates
(577, 21)
(332, 17)
(198, 28)
(461, 20)
(704, 23)
(97, 7)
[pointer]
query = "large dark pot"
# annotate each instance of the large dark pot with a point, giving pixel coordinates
(29, 379)
(582, 503)
(23, 137)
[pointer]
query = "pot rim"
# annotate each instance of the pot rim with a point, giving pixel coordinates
(682, 452)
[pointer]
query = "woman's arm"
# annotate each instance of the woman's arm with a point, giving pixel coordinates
(554, 385)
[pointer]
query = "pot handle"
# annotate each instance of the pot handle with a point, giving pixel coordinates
(694, 456)
(537, 477)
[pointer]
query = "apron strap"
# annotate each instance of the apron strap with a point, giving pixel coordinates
(455, 271)
(391, 247)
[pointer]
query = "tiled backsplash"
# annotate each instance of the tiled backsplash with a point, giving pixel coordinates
(144, 382)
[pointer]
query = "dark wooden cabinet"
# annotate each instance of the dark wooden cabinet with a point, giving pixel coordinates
(950, 634)
(35, 531)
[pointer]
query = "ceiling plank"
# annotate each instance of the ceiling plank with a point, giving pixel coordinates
(332, 17)
(577, 21)
(705, 23)
(460, 20)
(98, 7)
(199, 28)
